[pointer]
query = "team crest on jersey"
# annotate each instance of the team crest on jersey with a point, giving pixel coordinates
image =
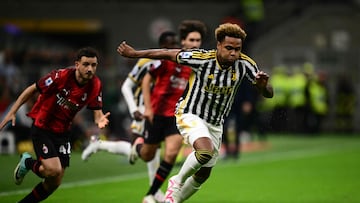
(48, 81)
(45, 149)
(186, 54)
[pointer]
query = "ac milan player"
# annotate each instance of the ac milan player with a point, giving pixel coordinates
(63, 93)
(170, 82)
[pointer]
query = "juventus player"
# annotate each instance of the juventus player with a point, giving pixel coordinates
(200, 113)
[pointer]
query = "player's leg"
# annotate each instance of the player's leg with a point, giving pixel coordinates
(173, 144)
(194, 182)
(53, 152)
(152, 138)
(206, 142)
(114, 147)
(53, 172)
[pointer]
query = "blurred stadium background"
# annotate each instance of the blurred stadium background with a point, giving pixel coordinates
(37, 36)
(318, 38)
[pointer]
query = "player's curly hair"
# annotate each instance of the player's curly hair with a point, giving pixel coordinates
(188, 26)
(230, 30)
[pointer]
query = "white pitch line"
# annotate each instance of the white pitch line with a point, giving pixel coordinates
(277, 156)
(121, 178)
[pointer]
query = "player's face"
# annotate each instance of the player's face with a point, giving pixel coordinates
(171, 43)
(228, 51)
(192, 40)
(86, 69)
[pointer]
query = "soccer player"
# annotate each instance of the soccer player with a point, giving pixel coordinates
(170, 82)
(200, 113)
(63, 93)
(132, 92)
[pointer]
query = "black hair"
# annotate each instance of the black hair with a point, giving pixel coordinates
(188, 26)
(163, 37)
(88, 52)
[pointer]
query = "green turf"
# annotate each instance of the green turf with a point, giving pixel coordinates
(294, 169)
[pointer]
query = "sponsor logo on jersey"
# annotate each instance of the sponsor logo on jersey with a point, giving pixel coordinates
(218, 90)
(186, 54)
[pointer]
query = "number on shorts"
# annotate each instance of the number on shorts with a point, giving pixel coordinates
(65, 150)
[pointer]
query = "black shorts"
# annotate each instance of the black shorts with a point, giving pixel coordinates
(48, 145)
(162, 127)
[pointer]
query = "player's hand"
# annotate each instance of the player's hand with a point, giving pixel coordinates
(149, 115)
(8, 118)
(138, 116)
(261, 79)
(103, 121)
(126, 50)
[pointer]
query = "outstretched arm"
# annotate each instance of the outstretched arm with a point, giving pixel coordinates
(127, 51)
(24, 96)
(262, 84)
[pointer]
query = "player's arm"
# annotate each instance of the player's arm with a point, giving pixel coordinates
(24, 96)
(101, 119)
(127, 92)
(146, 90)
(128, 51)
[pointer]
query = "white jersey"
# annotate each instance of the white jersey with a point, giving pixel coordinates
(212, 89)
(132, 93)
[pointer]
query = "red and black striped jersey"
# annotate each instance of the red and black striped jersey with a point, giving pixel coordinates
(61, 97)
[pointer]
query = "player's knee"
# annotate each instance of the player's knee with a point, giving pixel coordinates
(203, 156)
(52, 172)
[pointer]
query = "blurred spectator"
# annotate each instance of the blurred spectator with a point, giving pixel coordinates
(318, 102)
(242, 120)
(299, 97)
(279, 104)
(345, 104)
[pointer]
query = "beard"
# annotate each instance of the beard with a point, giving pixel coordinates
(85, 77)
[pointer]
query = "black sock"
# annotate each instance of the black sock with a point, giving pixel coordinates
(160, 176)
(34, 165)
(36, 195)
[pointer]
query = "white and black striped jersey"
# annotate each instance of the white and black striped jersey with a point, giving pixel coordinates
(211, 89)
(137, 74)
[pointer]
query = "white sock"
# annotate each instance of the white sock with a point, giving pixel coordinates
(189, 167)
(189, 188)
(153, 165)
(115, 147)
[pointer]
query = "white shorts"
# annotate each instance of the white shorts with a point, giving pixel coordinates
(192, 127)
(138, 127)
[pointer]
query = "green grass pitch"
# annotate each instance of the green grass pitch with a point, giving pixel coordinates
(294, 169)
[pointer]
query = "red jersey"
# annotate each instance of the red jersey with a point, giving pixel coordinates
(170, 82)
(61, 97)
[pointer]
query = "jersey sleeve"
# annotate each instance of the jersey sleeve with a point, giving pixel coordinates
(251, 68)
(195, 57)
(48, 83)
(96, 102)
(139, 70)
(127, 92)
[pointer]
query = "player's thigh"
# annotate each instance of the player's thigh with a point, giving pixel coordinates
(173, 144)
